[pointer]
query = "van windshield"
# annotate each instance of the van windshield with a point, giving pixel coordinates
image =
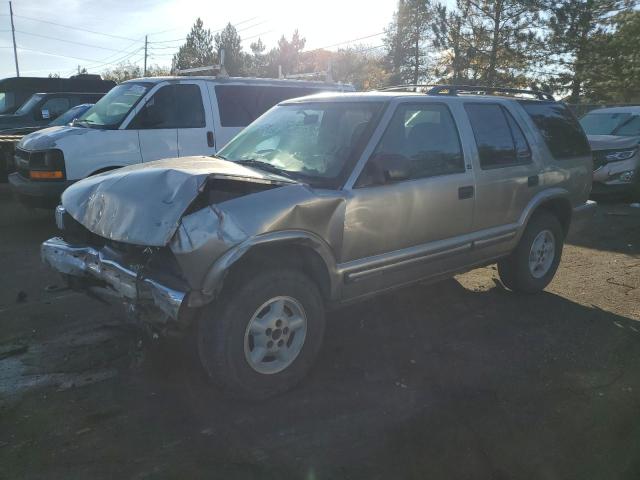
(312, 140)
(112, 109)
(29, 104)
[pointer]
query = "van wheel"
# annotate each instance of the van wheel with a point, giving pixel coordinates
(535, 260)
(262, 337)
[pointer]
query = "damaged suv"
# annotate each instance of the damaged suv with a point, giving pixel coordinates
(324, 200)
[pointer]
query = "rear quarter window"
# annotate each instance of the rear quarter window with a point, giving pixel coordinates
(559, 127)
(239, 105)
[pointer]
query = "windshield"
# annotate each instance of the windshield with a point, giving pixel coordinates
(70, 115)
(621, 124)
(111, 110)
(29, 104)
(313, 140)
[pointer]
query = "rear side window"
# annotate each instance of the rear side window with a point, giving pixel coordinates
(239, 105)
(500, 140)
(559, 128)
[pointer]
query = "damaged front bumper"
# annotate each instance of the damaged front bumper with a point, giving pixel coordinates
(96, 266)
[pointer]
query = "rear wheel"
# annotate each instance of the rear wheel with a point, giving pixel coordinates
(534, 262)
(262, 337)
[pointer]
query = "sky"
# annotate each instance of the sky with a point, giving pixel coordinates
(104, 33)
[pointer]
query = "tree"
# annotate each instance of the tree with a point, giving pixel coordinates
(287, 54)
(257, 63)
(575, 28)
(406, 40)
(229, 41)
(197, 51)
(614, 71)
(361, 66)
(504, 38)
(122, 72)
(454, 44)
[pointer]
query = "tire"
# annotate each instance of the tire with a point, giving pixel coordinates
(515, 271)
(226, 345)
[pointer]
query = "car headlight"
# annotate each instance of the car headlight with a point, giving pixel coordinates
(620, 155)
(47, 165)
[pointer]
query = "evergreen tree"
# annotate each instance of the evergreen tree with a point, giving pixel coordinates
(197, 51)
(575, 27)
(504, 38)
(407, 39)
(230, 41)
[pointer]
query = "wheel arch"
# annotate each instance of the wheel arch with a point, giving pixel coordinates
(298, 249)
(555, 201)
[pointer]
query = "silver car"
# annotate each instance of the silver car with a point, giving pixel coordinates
(321, 201)
(614, 134)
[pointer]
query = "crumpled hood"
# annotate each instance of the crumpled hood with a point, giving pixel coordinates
(142, 204)
(611, 142)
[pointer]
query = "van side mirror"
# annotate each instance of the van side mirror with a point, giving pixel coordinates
(44, 114)
(151, 116)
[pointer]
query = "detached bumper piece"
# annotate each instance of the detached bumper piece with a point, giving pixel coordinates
(95, 265)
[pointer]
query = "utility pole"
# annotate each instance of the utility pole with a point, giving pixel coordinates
(145, 56)
(13, 34)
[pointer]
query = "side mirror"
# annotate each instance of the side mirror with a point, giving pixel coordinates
(385, 168)
(392, 166)
(44, 114)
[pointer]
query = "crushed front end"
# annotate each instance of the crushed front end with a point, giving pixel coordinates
(147, 279)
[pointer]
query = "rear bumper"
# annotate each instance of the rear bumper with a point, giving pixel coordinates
(95, 265)
(582, 215)
(45, 194)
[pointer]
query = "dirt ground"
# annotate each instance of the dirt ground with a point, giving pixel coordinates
(457, 380)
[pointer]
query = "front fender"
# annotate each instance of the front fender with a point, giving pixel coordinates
(215, 277)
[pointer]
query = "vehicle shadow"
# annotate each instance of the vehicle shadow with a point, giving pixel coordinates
(437, 381)
(615, 227)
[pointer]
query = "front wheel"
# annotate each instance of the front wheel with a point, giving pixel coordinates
(262, 337)
(533, 264)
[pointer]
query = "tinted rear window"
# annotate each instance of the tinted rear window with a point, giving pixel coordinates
(559, 127)
(240, 105)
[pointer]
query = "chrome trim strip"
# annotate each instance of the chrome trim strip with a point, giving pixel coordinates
(87, 261)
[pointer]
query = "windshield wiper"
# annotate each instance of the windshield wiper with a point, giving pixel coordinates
(264, 166)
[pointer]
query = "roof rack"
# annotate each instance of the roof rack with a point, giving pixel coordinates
(455, 90)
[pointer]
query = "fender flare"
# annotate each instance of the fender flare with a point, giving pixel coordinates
(536, 201)
(214, 278)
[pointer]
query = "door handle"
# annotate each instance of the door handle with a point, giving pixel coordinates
(465, 192)
(533, 181)
(210, 140)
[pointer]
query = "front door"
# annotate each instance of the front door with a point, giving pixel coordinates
(398, 230)
(156, 125)
(194, 122)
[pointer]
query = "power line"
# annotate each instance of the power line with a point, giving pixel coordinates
(182, 39)
(181, 28)
(74, 28)
(70, 41)
(350, 41)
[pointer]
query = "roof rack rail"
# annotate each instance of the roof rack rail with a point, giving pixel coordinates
(469, 90)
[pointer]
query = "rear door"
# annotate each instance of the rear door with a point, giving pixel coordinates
(507, 177)
(156, 125)
(194, 122)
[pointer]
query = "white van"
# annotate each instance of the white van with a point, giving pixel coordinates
(143, 120)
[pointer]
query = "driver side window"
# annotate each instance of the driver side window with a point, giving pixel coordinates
(420, 141)
(157, 112)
